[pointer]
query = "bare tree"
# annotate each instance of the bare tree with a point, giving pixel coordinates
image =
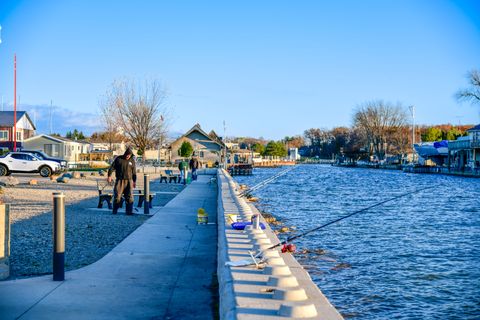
(380, 123)
(472, 94)
(139, 111)
(111, 130)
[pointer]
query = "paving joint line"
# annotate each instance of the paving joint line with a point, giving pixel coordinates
(180, 271)
(40, 300)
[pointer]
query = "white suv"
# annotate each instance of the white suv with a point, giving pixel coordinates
(26, 162)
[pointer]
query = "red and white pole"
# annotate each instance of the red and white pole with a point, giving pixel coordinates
(15, 103)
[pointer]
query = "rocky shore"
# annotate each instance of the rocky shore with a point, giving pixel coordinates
(90, 233)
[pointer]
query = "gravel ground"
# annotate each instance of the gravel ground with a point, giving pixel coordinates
(90, 234)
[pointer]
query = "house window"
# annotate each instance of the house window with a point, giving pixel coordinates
(19, 136)
(3, 135)
(202, 154)
(476, 136)
(51, 150)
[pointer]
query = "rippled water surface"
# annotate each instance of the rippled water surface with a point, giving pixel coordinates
(417, 257)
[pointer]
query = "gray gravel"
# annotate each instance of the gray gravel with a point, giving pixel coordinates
(90, 234)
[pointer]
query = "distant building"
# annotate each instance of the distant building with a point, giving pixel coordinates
(59, 147)
(24, 127)
(293, 154)
(208, 149)
(464, 153)
(117, 148)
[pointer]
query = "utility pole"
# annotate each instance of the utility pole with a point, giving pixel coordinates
(50, 118)
(412, 111)
(15, 102)
(0, 43)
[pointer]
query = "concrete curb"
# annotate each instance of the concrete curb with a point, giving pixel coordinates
(281, 288)
(227, 305)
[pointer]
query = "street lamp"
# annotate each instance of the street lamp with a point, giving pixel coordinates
(225, 143)
(412, 111)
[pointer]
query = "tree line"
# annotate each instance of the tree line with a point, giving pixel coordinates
(379, 129)
(137, 112)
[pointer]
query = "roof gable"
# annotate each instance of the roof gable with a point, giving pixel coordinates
(476, 128)
(7, 117)
(197, 134)
(197, 128)
(45, 136)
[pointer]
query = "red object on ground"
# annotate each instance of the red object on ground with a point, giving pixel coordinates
(289, 248)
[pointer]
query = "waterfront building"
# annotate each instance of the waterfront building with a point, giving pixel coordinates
(208, 148)
(293, 154)
(464, 153)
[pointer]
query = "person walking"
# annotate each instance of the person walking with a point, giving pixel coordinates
(193, 164)
(183, 167)
(125, 180)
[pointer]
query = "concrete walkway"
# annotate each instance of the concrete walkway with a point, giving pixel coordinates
(163, 270)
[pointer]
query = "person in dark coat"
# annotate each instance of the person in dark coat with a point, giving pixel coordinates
(193, 164)
(125, 182)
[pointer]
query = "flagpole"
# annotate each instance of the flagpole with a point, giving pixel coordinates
(15, 103)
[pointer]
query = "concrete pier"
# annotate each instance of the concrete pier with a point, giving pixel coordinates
(279, 289)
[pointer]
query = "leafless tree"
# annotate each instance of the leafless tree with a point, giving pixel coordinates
(111, 131)
(139, 110)
(380, 123)
(472, 94)
(317, 137)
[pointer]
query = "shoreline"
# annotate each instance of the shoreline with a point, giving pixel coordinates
(407, 169)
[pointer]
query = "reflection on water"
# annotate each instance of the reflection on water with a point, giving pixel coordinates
(417, 257)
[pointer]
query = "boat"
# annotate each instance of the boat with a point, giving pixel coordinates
(432, 149)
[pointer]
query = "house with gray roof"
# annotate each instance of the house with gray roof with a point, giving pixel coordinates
(58, 147)
(208, 148)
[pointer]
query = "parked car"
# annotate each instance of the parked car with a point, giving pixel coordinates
(25, 163)
(43, 156)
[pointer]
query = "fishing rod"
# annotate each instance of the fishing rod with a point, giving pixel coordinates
(265, 182)
(341, 218)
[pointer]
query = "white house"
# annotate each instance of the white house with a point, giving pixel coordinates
(58, 147)
(293, 154)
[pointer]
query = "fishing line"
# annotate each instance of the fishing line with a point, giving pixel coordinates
(265, 182)
(342, 218)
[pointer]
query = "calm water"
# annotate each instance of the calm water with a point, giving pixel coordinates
(417, 257)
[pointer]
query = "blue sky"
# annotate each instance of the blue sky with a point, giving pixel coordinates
(268, 68)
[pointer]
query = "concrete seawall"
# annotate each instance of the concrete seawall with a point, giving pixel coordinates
(280, 288)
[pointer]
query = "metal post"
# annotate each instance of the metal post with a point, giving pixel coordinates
(4, 241)
(58, 236)
(146, 187)
(256, 221)
(185, 175)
